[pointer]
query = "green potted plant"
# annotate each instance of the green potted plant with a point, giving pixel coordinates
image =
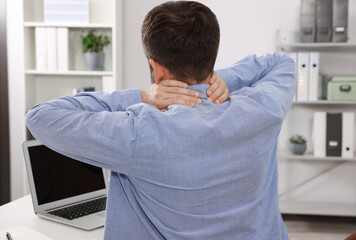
(93, 45)
(297, 144)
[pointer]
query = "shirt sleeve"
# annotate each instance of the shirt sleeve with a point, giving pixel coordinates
(268, 80)
(91, 127)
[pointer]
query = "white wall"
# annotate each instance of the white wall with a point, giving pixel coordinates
(246, 27)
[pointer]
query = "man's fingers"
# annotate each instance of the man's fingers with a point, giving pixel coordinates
(218, 92)
(169, 102)
(176, 101)
(174, 83)
(212, 88)
(170, 92)
(181, 100)
(214, 82)
(222, 98)
(182, 97)
(183, 91)
(213, 79)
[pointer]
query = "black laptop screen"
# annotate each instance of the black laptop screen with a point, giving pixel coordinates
(57, 177)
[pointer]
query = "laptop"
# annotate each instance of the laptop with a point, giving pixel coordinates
(65, 190)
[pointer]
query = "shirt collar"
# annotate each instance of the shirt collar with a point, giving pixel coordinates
(201, 88)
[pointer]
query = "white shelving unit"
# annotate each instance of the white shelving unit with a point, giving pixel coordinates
(69, 25)
(318, 208)
(45, 85)
(76, 57)
(30, 86)
(324, 102)
(310, 157)
(70, 73)
(287, 42)
(310, 185)
(317, 46)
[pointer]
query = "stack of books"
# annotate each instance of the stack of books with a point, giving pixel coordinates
(51, 49)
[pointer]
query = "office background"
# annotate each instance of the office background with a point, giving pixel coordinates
(247, 27)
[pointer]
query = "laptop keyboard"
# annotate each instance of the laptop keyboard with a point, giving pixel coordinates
(81, 210)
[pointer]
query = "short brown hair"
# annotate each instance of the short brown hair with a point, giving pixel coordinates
(184, 37)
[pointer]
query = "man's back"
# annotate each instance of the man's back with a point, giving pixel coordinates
(208, 172)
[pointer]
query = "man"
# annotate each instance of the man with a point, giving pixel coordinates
(182, 170)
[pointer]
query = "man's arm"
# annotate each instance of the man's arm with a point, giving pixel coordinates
(268, 80)
(249, 70)
(99, 128)
(90, 127)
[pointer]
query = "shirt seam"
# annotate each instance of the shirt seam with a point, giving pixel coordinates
(137, 128)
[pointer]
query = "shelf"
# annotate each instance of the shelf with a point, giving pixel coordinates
(325, 102)
(318, 208)
(327, 46)
(70, 73)
(69, 25)
(311, 157)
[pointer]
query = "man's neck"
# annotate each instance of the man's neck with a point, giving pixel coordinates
(205, 81)
(189, 81)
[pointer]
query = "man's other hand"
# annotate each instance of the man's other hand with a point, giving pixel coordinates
(217, 92)
(169, 92)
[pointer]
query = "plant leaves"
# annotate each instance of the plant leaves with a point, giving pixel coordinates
(94, 43)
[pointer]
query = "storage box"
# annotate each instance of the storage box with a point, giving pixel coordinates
(342, 88)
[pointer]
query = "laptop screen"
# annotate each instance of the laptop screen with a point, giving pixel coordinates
(57, 177)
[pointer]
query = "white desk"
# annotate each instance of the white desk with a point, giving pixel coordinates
(20, 213)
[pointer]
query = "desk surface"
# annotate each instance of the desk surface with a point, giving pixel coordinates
(20, 213)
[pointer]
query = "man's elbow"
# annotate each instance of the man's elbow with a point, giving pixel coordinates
(33, 115)
(289, 62)
(31, 119)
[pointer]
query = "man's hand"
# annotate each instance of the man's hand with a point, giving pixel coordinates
(169, 92)
(217, 92)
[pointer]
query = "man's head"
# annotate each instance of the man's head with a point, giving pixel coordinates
(183, 38)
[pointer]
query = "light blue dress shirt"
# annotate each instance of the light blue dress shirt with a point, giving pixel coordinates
(208, 172)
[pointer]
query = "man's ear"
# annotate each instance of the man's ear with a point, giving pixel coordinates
(160, 72)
